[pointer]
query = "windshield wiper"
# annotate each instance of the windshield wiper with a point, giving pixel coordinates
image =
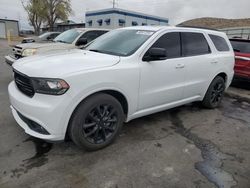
(60, 41)
(107, 52)
(93, 50)
(98, 51)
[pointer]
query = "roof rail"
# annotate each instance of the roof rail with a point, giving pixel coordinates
(197, 27)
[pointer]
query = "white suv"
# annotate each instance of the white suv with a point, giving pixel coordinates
(73, 38)
(124, 74)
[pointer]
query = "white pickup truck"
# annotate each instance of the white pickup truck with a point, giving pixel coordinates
(73, 38)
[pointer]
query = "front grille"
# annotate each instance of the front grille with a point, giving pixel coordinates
(17, 52)
(18, 47)
(24, 84)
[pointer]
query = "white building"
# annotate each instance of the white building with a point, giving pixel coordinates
(114, 18)
(9, 25)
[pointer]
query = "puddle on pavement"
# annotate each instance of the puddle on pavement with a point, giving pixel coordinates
(37, 160)
(211, 166)
(41, 147)
(237, 109)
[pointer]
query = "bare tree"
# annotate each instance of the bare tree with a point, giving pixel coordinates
(57, 10)
(36, 13)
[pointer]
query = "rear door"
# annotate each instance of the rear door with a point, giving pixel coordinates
(242, 65)
(199, 63)
(242, 57)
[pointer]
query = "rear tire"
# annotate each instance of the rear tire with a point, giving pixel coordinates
(214, 93)
(96, 122)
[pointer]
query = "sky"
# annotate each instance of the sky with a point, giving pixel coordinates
(176, 10)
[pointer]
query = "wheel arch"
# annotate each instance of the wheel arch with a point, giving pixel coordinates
(223, 75)
(113, 92)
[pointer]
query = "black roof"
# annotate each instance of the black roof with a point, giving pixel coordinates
(8, 20)
(240, 39)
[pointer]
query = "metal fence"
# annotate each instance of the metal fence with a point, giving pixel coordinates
(243, 32)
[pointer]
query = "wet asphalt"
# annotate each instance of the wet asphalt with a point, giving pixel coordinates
(188, 146)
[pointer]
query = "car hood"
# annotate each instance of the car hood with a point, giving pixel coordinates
(63, 63)
(48, 46)
(35, 38)
(38, 40)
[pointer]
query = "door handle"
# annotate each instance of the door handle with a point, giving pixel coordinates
(214, 62)
(179, 66)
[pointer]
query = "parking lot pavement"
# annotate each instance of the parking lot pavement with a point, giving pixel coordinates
(183, 147)
(240, 90)
(4, 44)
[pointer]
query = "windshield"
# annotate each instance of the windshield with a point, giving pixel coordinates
(241, 46)
(68, 36)
(120, 42)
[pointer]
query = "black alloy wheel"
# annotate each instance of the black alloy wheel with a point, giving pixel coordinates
(100, 123)
(96, 122)
(214, 93)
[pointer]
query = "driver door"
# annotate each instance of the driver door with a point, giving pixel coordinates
(162, 82)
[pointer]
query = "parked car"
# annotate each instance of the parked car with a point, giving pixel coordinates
(124, 74)
(242, 59)
(73, 38)
(45, 37)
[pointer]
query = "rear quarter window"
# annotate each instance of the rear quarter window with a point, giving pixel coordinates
(194, 44)
(220, 43)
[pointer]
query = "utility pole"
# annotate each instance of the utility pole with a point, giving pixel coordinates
(114, 3)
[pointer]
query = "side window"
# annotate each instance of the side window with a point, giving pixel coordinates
(54, 35)
(220, 43)
(242, 46)
(92, 35)
(171, 42)
(194, 44)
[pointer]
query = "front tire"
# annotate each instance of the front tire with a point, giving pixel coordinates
(214, 93)
(96, 122)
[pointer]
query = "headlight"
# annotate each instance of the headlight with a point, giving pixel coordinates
(50, 86)
(29, 52)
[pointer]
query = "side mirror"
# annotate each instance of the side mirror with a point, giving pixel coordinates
(155, 54)
(82, 42)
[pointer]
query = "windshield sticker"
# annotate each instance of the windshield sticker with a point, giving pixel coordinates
(145, 33)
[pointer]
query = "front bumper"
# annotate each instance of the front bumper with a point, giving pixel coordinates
(46, 110)
(10, 60)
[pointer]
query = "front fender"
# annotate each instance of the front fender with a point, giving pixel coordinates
(76, 100)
